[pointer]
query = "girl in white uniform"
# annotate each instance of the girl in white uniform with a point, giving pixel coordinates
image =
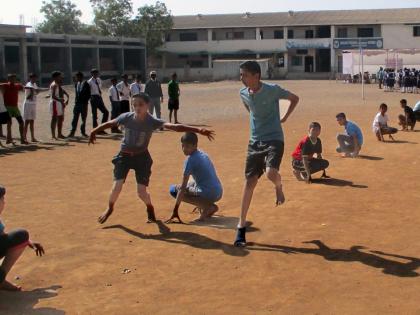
(57, 104)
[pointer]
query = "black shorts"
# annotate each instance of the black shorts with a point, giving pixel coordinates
(173, 104)
(140, 163)
(13, 239)
(4, 118)
(263, 154)
(124, 106)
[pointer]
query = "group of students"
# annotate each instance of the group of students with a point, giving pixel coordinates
(85, 91)
(407, 80)
(200, 185)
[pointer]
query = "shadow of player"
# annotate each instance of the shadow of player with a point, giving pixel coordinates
(24, 302)
(353, 254)
(184, 238)
(224, 223)
(336, 182)
(370, 158)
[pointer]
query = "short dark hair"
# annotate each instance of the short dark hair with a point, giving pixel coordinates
(251, 66)
(32, 75)
(403, 101)
(114, 79)
(341, 115)
(2, 191)
(124, 75)
(174, 75)
(56, 74)
(143, 96)
(79, 74)
(314, 124)
(383, 105)
(93, 71)
(189, 138)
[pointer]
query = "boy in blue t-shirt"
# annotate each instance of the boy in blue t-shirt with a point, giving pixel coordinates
(266, 145)
(350, 143)
(205, 189)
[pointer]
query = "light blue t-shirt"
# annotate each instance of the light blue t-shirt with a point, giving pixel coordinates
(265, 112)
(200, 167)
(417, 107)
(352, 129)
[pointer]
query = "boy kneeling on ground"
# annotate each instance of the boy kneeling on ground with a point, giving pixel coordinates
(205, 190)
(304, 164)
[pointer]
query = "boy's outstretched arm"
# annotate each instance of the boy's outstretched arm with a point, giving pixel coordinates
(294, 100)
(179, 197)
(102, 127)
(184, 128)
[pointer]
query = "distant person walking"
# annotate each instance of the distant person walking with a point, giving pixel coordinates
(96, 100)
(154, 89)
(380, 75)
(173, 101)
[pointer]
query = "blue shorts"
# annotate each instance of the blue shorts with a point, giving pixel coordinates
(193, 190)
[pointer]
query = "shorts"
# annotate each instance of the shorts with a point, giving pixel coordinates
(192, 190)
(29, 111)
(4, 118)
(56, 109)
(13, 111)
(140, 163)
(262, 155)
(173, 104)
(16, 238)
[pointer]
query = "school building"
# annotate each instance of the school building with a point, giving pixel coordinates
(296, 45)
(22, 53)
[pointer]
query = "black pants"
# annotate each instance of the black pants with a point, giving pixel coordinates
(124, 106)
(115, 112)
(97, 103)
(80, 109)
(315, 165)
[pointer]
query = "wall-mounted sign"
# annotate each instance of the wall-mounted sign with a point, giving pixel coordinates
(357, 43)
(307, 44)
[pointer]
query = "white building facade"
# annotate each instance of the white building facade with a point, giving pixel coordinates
(298, 44)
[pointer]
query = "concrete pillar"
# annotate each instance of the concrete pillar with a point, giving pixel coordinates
(209, 35)
(333, 52)
(37, 58)
(121, 65)
(2, 59)
(23, 60)
(210, 58)
(285, 31)
(69, 60)
(286, 62)
(97, 55)
(257, 33)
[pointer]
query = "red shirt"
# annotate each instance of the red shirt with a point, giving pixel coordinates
(306, 147)
(11, 93)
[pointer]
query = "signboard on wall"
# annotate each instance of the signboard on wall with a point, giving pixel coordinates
(307, 44)
(357, 43)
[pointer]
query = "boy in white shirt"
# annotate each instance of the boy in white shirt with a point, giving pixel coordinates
(29, 106)
(135, 87)
(125, 94)
(380, 124)
(114, 98)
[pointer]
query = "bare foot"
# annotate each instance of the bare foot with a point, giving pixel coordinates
(280, 196)
(34, 140)
(24, 142)
(104, 216)
(212, 210)
(8, 286)
(61, 137)
(151, 218)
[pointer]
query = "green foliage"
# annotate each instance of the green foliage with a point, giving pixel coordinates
(113, 17)
(61, 17)
(152, 23)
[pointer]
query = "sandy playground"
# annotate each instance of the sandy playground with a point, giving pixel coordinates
(349, 245)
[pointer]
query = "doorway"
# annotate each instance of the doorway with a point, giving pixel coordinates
(309, 64)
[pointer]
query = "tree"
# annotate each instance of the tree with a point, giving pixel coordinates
(152, 23)
(61, 17)
(113, 17)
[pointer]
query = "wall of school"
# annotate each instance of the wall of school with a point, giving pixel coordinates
(399, 37)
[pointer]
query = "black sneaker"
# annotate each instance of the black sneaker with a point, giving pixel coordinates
(240, 240)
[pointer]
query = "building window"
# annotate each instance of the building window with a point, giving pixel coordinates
(290, 34)
(416, 31)
(235, 35)
(297, 61)
(278, 34)
(196, 63)
(365, 32)
(188, 37)
(301, 52)
(309, 34)
(342, 32)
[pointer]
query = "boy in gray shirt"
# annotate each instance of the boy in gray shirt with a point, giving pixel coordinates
(154, 89)
(138, 128)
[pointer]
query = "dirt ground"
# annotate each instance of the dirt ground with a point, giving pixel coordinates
(349, 245)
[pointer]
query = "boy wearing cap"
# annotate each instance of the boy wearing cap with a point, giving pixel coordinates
(96, 100)
(81, 100)
(125, 93)
(154, 89)
(205, 189)
(266, 145)
(304, 163)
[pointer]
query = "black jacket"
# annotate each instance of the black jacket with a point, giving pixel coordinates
(84, 95)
